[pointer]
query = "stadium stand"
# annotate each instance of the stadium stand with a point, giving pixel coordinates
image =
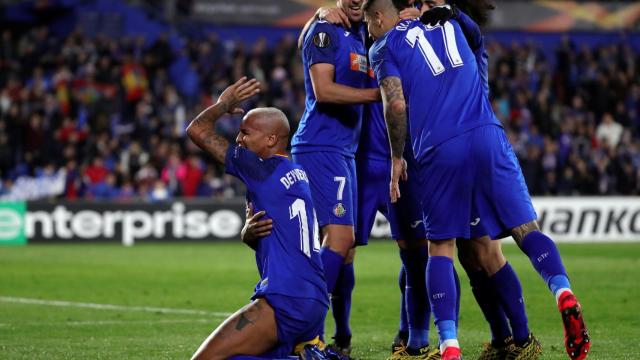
(111, 111)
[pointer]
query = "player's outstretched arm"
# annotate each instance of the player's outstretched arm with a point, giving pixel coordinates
(328, 91)
(202, 131)
(395, 115)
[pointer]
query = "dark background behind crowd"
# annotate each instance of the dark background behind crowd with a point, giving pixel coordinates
(106, 112)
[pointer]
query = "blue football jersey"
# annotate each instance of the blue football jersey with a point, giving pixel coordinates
(475, 39)
(332, 127)
(440, 80)
(288, 260)
(374, 142)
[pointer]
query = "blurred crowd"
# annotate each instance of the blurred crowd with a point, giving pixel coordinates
(574, 122)
(111, 113)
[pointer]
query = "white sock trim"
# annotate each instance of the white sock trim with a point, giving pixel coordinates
(449, 342)
(560, 291)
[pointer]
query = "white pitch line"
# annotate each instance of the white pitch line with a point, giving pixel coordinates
(20, 300)
(108, 322)
(119, 322)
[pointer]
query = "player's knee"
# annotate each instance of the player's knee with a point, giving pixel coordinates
(489, 255)
(467, 259)
(339, 238)
(351, 254)
(442, 248)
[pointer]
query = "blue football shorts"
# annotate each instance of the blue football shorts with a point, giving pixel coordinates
(472, 186)
(405, 216)
(333, 181)
(298, 320)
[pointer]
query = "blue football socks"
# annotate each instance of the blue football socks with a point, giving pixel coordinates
(442, 296)
(402, 283)
(546, 259)
(485, 293)
(332, 265)
(509, 289)
(415, 263)
(457, 280)
(341, 303)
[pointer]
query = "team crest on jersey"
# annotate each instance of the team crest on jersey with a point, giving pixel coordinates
(321, 40)
(359, 63)
(339, 210)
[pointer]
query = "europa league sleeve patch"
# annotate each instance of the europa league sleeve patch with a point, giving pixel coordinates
(321, 40)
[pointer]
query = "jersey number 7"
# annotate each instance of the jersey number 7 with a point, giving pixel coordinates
(416, 36)
(298, 209)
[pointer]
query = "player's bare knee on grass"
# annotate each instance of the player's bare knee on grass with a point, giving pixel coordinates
(250, 331)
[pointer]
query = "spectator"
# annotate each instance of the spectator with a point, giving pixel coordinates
(609, 131)
(117, 106)
(96, 173)
(190, 174)
(159, 192)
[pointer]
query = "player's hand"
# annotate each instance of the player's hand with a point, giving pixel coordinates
(241, 90)
(438, 15)
(254, 228)
(334, 15)
(398, 166)
(404, 175)
(409, 13)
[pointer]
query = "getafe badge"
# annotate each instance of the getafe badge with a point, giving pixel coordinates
(339, 210)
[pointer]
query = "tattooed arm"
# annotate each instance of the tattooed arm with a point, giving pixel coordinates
(395, 115)
(202, 131)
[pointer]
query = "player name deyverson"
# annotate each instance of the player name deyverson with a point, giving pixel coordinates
(293, 177)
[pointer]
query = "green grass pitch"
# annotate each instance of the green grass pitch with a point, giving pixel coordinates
(218, 279)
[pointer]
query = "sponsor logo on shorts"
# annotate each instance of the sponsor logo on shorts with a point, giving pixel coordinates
(339, 210)
(415, 224)
(475, 222)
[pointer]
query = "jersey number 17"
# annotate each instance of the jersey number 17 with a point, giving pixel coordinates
(416, 35)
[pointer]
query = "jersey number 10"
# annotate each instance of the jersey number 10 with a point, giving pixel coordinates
(298, 209)
(416, 35)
